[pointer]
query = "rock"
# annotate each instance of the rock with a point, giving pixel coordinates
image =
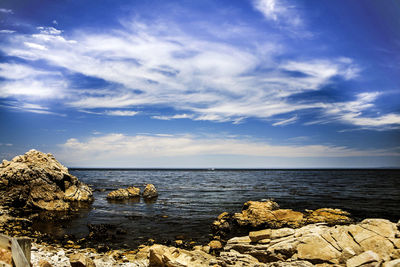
(5, 256)
(80, 260)
(150, 191)
(367, 257)
(124, 193)
(393, 263)
(44, 263)
(234, 258)
(267, 214)
(315, 248)
(215, 245)
(320, 244)
(328, 216)
(259, 235)
(38, 180)
(160, 256)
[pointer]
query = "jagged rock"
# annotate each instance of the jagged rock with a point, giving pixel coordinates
(328, 216)
(368, 257)
(38, 180)
(150, 191)
(161, 256)
(234, 258)
(321, 244)
(80, 260)
(215, 245)
(267, 214)
(124, 193)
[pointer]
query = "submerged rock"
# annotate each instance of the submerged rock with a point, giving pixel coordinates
(37, 180)
(150, 191)
(124, 193)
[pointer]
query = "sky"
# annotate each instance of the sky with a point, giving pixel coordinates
(202, 84)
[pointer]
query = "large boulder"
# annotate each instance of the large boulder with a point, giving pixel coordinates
(124, 193)
(37, 180)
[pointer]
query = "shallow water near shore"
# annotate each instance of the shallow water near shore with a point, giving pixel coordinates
(189, 200)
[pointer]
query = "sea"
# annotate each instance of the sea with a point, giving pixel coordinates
(190, 199)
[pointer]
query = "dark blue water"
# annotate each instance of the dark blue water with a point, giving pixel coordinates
(189, 200)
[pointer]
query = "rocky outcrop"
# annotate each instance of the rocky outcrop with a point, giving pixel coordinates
(373, 241)
(37, 180)
(124, 193)
(267, 214)
(150, 192)
(161, 256)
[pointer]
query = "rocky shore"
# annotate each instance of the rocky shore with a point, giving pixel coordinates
(261, 234)
(372, 242)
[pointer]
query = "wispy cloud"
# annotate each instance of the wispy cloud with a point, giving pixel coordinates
(278, 11)
(173, 117)
(121, 112)
(201, 79)
(28, 107)
(7, 31)
(352, 112)
(286, 122)
(6, 11)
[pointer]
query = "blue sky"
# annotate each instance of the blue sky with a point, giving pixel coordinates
(254, 84)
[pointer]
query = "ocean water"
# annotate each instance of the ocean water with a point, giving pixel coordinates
(189, 200)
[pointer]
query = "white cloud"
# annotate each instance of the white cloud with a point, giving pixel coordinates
(35, 46)
(7, 11)
(286, 122)
(278, 11)
(351, 112)
(201, 79)
(173, 117)
(120, 112)
(28, 107)
(114, 147)
(25, 81)
(7, 31)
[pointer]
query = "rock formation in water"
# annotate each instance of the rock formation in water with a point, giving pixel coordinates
(150, 191)
(267, 214)
(124, 193)
(37, 180)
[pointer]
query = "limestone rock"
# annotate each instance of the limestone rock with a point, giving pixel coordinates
(234, 258)
(80, 260)
(124, 193)
(150, 191)
(367, 257)
(38, 180)
(393, 263)
(370, 242)
(161, 256)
